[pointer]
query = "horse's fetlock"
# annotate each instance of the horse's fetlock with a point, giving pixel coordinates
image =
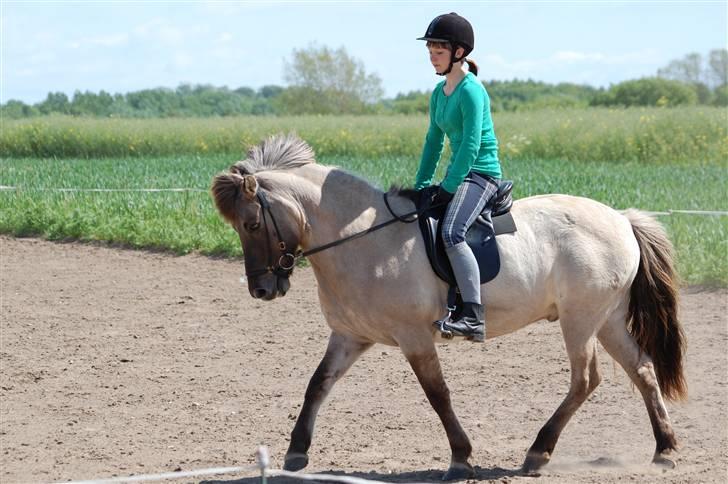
(300, 442)
(295, 461)
(462, 452)
(535, 460)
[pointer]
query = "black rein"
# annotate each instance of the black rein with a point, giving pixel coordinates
(285, 271)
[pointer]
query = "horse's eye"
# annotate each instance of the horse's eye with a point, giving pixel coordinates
(252, 227)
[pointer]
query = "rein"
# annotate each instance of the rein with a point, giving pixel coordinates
(397, 218)
(287, 260)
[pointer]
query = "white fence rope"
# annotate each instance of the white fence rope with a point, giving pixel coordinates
(167, 475)
(669, 211)
(8, 188)
(262, 466)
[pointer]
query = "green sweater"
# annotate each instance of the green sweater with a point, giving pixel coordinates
(464, 116)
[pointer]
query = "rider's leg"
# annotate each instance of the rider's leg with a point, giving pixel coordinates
(469, 200)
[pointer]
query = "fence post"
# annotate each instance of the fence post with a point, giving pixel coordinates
(261, 456)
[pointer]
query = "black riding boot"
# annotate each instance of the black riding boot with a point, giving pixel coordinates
(469, 323)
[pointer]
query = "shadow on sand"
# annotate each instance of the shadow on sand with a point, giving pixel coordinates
(431, 475)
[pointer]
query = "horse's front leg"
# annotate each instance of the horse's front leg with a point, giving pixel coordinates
(423, 358)
(341, 353)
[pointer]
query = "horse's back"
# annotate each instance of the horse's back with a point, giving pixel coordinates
(567, 249)
(591, 243)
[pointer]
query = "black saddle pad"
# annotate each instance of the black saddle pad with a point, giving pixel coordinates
(481, 237)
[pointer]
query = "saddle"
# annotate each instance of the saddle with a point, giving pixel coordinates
(495, 219)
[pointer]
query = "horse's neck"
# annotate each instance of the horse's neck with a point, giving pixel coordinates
(337, 204)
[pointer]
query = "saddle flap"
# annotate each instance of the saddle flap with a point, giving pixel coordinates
(481, 238)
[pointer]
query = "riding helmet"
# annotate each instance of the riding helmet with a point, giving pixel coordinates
(452, 28)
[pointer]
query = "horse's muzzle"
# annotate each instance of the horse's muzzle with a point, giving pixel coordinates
(268, 288)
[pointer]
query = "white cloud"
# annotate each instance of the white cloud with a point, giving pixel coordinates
(41, 57)
(645, 56)
(228, 9)
(171, 35)
(640, 56)
(109, 40)
(571, 56)
(44, 37)
(225, 37)
(147, 27)
(182, 59)
(577, 66)
(160, 30)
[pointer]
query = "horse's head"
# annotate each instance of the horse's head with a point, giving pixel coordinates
(269, 225)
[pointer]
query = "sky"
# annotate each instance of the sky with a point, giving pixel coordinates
(123, 46)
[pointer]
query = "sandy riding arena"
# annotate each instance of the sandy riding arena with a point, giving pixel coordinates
(117, 362)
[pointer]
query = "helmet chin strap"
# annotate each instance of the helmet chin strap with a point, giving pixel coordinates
(453, 60)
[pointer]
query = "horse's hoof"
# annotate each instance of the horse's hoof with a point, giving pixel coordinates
(295, 462)
(458, 472)
(535, 461)
(666, 460)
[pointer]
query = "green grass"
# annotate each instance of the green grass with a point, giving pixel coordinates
(653, 135)
(184, 222)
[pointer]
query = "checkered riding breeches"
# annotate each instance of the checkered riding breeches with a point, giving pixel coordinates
(474, 194)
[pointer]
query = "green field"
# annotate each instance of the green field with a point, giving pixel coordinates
(651, 135)
(654, 159)
(184, 222)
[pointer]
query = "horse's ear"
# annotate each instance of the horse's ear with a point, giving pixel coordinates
(250, 186)
(239, 168)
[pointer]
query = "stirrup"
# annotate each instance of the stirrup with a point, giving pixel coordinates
(440, 324)
(450, 334)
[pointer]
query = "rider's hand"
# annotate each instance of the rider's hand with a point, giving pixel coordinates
(442, 197)
(425, 195)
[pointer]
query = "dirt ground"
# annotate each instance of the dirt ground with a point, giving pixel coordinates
(117, 362)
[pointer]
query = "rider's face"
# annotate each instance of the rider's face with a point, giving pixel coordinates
(439, 58)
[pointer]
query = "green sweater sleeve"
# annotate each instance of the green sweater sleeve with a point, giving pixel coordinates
(471, 106)
(434, 141)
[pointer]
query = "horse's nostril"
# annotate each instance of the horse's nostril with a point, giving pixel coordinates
(259, 293)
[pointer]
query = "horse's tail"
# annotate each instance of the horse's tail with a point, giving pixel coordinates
(653, 305)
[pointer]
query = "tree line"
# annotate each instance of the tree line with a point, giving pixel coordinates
(322, 80)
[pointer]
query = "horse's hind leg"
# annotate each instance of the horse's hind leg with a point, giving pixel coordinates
(341, 353)
(426, 365)
(585, 378)
(639, 367)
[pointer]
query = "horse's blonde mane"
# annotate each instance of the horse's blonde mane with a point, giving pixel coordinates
(277, 152)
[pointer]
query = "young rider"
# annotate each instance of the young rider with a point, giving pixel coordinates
(460, 109)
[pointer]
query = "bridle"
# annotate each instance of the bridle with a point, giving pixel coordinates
(287, 260)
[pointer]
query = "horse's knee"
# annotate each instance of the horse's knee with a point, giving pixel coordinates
(581, 387)
(318, 387)
(322, 381)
